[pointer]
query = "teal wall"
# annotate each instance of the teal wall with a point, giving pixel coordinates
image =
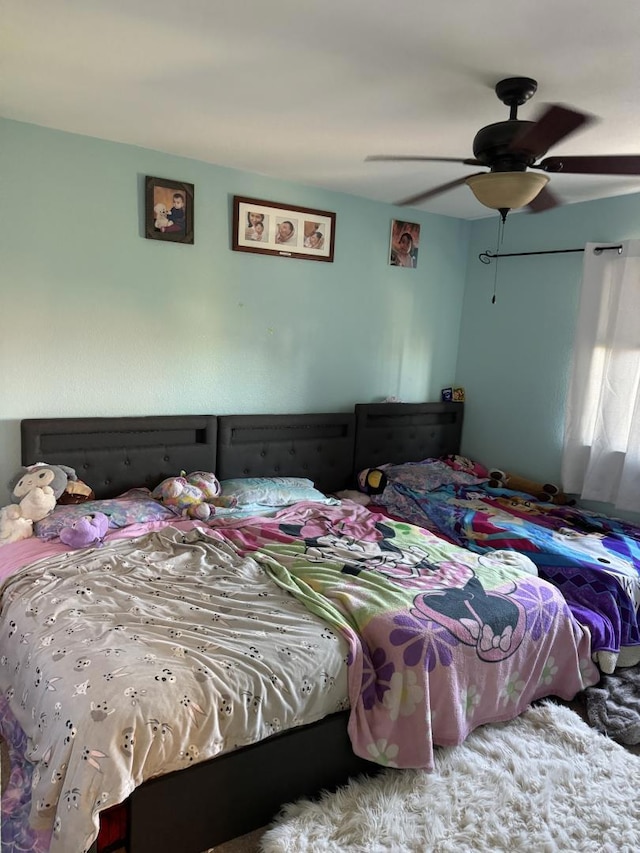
(97, 320)
(515, 355)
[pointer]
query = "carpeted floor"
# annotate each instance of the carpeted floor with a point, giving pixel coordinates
(580, 748)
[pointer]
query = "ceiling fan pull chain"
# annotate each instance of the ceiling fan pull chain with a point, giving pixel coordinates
(498, 247)
(495, 280)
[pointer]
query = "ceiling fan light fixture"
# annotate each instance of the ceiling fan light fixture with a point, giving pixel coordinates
(506, 190)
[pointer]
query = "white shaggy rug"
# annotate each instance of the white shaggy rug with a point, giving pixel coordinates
(542, 783)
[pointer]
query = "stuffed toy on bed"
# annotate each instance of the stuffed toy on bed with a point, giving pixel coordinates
(88, 530)
(372, 481)
(76, 492)
(14, 526)
(542, 492)
(194, 495)
(34, 492)
(32, 484)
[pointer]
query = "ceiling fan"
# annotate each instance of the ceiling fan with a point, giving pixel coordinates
(510, 148)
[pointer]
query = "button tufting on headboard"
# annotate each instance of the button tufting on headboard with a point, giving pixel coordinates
(116, 454)
(406, 432)
(317, 446)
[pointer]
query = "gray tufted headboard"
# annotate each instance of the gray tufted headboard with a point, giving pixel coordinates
(406, 432)
(115, 454)
(317, 446)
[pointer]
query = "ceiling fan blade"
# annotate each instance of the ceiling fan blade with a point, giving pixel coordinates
(545, 200)
(443, 188)
(614, 164)
(418, 159)
(553, 125)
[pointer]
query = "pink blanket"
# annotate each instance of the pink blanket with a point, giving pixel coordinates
(442, 640)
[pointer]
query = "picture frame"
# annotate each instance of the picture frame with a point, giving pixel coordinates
(404, 244)
(168, 210)
(284, 230)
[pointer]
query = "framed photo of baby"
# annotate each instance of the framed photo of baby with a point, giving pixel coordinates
(405, 240)
(271, 228)
(168, 210)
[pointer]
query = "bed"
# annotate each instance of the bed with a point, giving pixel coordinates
(386, 604)
(594, 560)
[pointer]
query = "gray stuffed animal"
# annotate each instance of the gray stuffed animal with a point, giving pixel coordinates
(39, 476)
(37, 488)
(34, 492)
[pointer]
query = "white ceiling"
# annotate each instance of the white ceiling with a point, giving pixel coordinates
(304, 91)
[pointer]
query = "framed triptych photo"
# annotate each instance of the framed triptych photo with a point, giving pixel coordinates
(270, 228)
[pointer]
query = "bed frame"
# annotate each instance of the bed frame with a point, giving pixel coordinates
(209, 803)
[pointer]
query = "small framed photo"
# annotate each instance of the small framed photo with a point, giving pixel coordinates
(168, 210)
(405, 240)
(446, 395)
(271, 228)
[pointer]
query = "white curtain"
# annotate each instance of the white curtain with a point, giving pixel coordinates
(601, 456)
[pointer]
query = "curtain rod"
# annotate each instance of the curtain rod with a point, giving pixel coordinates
(487, 257)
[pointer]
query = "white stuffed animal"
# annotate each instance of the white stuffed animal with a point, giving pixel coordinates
(16, 520)
(37, 503)
(161, 212)
(14, 526)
